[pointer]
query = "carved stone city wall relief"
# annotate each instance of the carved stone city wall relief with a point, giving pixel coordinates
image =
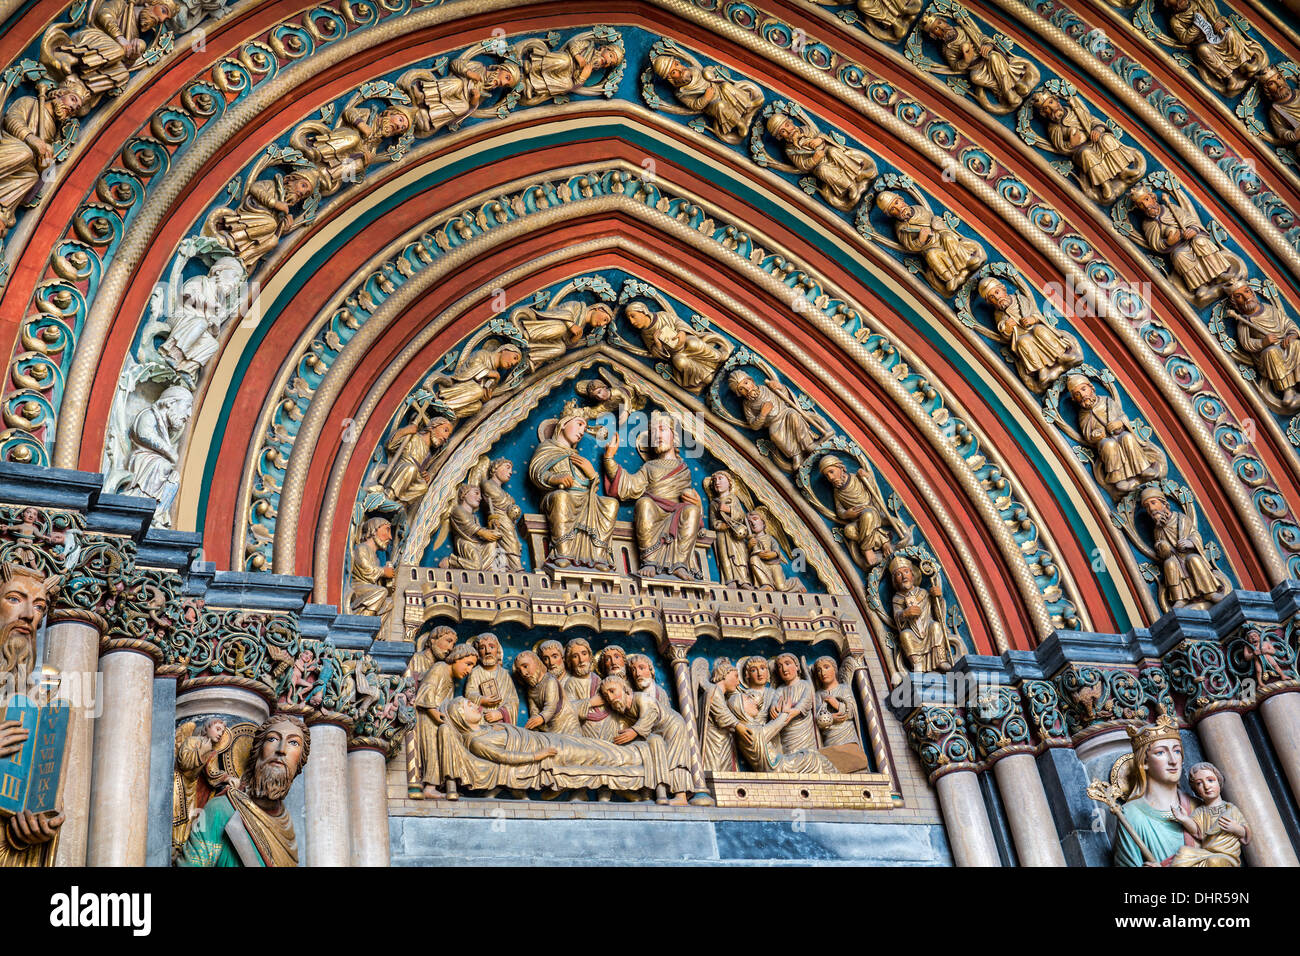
(837, 179)
(528, 710)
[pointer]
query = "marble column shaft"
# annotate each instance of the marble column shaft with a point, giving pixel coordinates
(72, 648)
(1281, 713)
(119, 795)
(368, 807)
(326, 781)
(1228, 747)
(1028, 814)
(966, 820)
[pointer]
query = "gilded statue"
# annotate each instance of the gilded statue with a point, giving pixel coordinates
(503, 512)
(721, 725)
(154, 437)
(26, 838)
(411, 449)
(610, 394)
(1001, 81)
(755, 678)
(765, 543)
(342, 153)
(645, 719)
(475, 379)
(640, 675)
(430, 647)
(800, 731)
(482, 756)
(200, 773)
(667, 510)
(761, 747)
(888, 20)
(548, 73)
(474, 547)
(489, 684)
(693, 356)
(582, 687)
(551, 653)
(552, 331)
(1172, 229)
(1042, 352)
(842, 174)
(96, 57)
(1159, 824)
(437, 688)
(1124, 458)
(31, 127)
(1271, 341)
(859, 510)
(580, 519)
(1283, 110)
(548, 707)
(264, 215)
(372, 576)
(728, 105)
(1104, 166)
(1188, 577)
(919, 616)
(729, 502)
(1227, 60)
(771, 407)
(835, 710)
(249, 825)
(949, 259)
(447, 101)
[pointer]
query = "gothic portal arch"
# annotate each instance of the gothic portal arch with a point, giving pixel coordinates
(986, 311)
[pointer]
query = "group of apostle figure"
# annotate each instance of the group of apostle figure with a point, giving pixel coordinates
(601, 722)
(596, 721)
(791, 727)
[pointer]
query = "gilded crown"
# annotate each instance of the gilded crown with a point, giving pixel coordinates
(1144, 736)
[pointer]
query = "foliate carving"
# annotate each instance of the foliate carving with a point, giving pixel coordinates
(141, 618)
(101, 569)
(41, 539)
(1202, 673)
(1267, 655)
(939, 737)
(1098, 695)
(1045, 712)
(1156, 695)
(241, 648)
(999, 723)
(386, 714)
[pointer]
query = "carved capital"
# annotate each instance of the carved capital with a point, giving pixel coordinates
(1097, 696)
(1265, 657)
(1203, 674)
(141, 613)
(101, 570)
(384, 714)
(938, 735)
(998, 720)
(232, 648)
(1046, 713)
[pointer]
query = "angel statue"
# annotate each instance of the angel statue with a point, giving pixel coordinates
(345, 151)
(949, 258)
(503, 512)
(667, 510)
(919, 616)
(1283, 110)
(1104, 166)
(475, 379)
(562, 325)
(1172, 229)
(729, 504)
(1001, 81)
(264, 214)
(728, 105)
(1042, 352)
(1124, 458)
(1227, 60)
(550, 73)
(766, 543)
(860, 511)
(793, 431)
(693, 356)
(474, 547)
(580, 519)
(1188, 576)
(208, 760)
(444, 102)
(610, 394)
(1270, 339)
(843, 174)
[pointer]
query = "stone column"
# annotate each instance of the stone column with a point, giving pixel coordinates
(72, 648)
(676, 650)
(326, 784)
(867, 698)
(367, 806)
(938, 735)
(119, 796)
(1228, 747)
(1281, 713)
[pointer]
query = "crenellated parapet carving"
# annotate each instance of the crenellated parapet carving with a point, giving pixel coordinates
(940, 737)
